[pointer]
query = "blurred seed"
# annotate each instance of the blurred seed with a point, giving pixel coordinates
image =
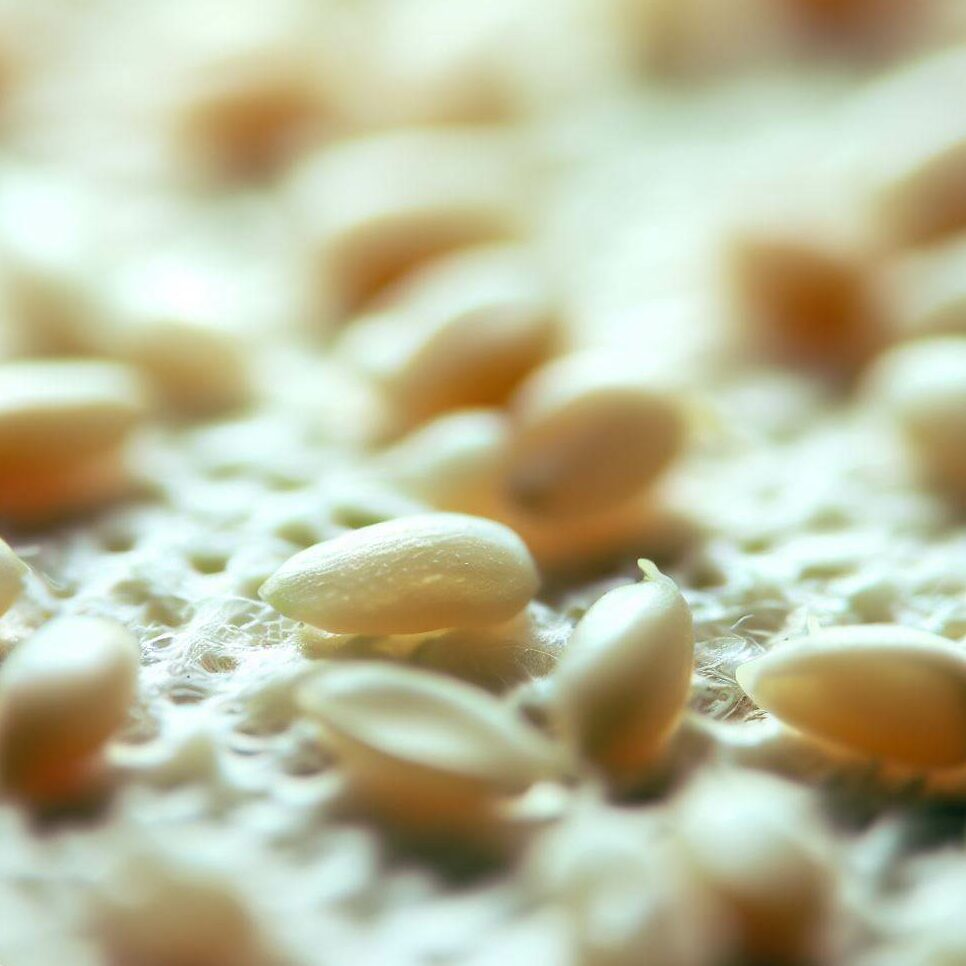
(758, 845)
(877, 690)
(377, 207)
(422, 743)
(623, 679)
(923, 385)
(12, 573)
(63, 692)
(587, 436)
(459, 333)
(410, 575)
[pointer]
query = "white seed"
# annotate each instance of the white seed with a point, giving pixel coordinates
(588, 435)
(460, 333)
(923, 384)
(758, 845)
(418, 737)
(406, 576)
(63, 692)
(454, 463)
(877, 690)
(376, 207)
(197, 369)
(623, 679)
(12, 573)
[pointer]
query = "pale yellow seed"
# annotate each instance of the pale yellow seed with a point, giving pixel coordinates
(757, 844)
(418, 737)
(61, 411)
(195, 368)
(923, 385)
(63, 692)
(588, 435)
(377, 207)
(877, 690)
(623, 679)
(454, 463)
(460, 333)
(406, 576)
(927, 290)
(12, 573)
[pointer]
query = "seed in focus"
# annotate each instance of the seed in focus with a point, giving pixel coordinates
(587, 435)
(877, 690)
(407, 576)
(623, 680)
(63, 692)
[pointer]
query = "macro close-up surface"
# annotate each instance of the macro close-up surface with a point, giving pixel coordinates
(483, 484)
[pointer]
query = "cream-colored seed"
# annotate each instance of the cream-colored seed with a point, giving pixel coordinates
(587, 436)
(460, 333)
(196, 368)
(623, 680)
(923, 384)
(927, 290)
(406, 576)
(877, 690)
(63, 692)
(377, 207)
(418, 737)
(757, 844)
(454, 463)
(12, 573)
(62, 427)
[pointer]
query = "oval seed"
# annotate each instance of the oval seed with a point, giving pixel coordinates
(454, 463)
(63, 692)
(12, 573)
(462, 332)
(924, 386)
(55, 412)
(378, 206)
(420, 573)
(757, 844)
(879, 690)
(588, 436)
(623, 680)
(424, 737)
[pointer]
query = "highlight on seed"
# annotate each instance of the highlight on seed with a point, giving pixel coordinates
(410, 575)
(12, 573)
(63, 692)
(588, 434)
(421, 742)
(880, 691)
(623, 679)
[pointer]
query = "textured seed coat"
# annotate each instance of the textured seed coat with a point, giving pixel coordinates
(878, 690)
(406, 576)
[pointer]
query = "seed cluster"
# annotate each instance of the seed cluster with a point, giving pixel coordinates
(354, 358)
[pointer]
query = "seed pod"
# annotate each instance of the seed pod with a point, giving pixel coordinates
(876, 690)
(420, 742)
(923, 384)
(376, 207)
(407, 576)
(623, 679)
(63, 692)
(460, 333)
(12, 573)
(587, 436)
(757, 844)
